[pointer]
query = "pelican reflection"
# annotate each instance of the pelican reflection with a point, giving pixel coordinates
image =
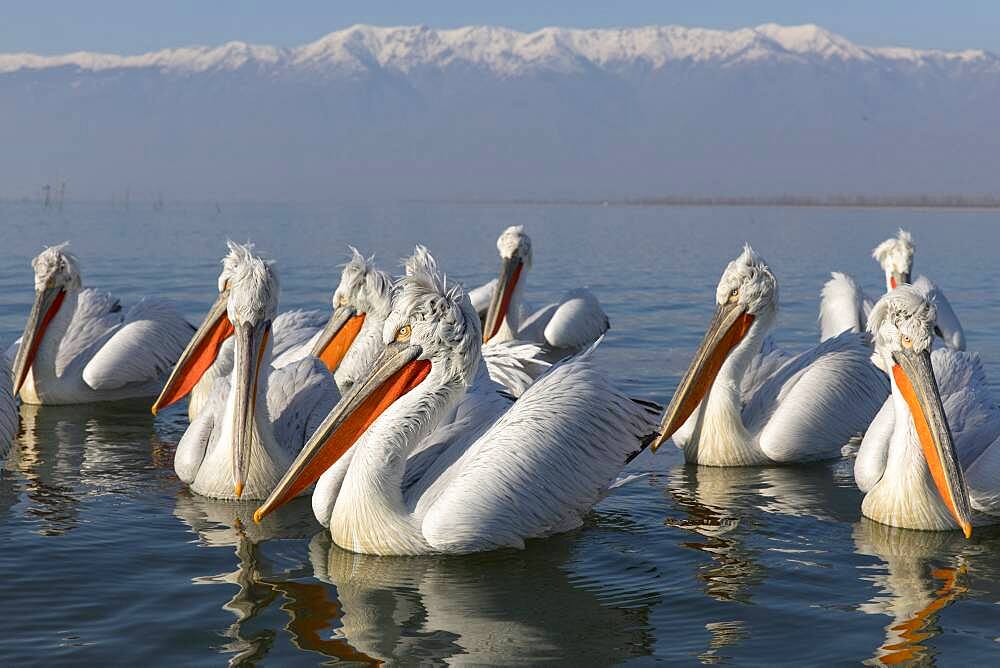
(312, 608)
(497, 607)
(924, 572)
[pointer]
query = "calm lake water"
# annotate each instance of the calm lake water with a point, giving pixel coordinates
(107, 558)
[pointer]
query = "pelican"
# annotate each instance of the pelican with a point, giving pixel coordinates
(563, 327)
(844, 305)
(534, 472)
(8, 411)
(209, 352)
(78, 346)
(259, 416)
(361, 303)
(930, 459)
(741, 403)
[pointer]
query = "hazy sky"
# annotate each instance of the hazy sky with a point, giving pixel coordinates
(133, 26)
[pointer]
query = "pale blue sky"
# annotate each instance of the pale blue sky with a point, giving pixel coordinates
(134, 26)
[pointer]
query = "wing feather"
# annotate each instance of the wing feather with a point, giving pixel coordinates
(8, 411)
(947, 325)
(299, 396)
(542, 465)
(293, 334)
(97, 313)
(141, 349)
(841, 307)
(818, 401)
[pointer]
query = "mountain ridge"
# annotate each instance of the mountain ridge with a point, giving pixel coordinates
(511, 52)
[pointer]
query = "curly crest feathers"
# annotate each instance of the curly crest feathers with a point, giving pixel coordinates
(896, 254)
(903, 312)
(56, 266)
(442, 318)
(363, 286)
(253, 284)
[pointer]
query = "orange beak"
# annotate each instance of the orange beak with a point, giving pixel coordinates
(47, 304)
(510, 272)
(393, 374)
(337, 337)
(729, 326)
(200, 353)
(914, 376)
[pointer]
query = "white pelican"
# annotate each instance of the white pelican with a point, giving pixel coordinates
(931, 458)
(563, 327)
(535, 472)
(255, 422)
(8, 411)
(506, 371)
(844, 305)
(742, 404)
(78, 346)
(209, 353)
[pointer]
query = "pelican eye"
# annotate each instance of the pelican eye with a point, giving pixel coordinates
(906, 341)
(733, 294)
(403, 333)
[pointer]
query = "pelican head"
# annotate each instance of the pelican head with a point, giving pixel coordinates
(515, 257)
(203, 348)
(747, 294)
(56, 272)
(251, 307)
(902, 327)
(896, 257)
(432, 330)
(363, 291)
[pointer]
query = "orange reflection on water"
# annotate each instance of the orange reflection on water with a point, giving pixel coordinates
(913, 631)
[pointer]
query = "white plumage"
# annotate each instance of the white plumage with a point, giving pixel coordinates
(564, 327)
(293, 334)
(892, 465)
(288, 402)
(535, 471)
(80, 346)
(845, 307)
(744, 403)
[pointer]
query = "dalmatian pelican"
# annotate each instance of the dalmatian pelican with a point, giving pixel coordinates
(844, 305)
(258, 416)
(209, 352)
(534, 472)
(563, 327)
(742, 403)
(931, 458)
(79, 346)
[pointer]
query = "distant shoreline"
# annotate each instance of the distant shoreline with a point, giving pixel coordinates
(842, 202)
(985, 202)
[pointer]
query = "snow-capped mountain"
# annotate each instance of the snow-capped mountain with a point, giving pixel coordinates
(492, 112)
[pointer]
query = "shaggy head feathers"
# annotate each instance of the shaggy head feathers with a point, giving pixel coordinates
(896, 254)
(749, 274)
(363, 287)
(442, 319)
(902, 312)
(253, 285)
(56, 267)
(513, 242)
